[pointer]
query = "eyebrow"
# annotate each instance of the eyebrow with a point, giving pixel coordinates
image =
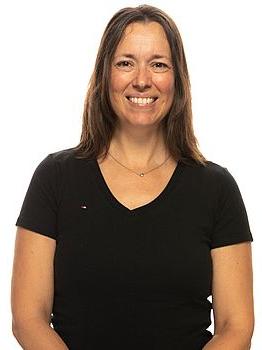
(156, 56)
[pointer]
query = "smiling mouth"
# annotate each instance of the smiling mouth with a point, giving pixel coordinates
(141, 101)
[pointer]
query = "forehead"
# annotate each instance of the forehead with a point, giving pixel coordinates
(143, 37)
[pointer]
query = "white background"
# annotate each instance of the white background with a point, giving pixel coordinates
(48, 50)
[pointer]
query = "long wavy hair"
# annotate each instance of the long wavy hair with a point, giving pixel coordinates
(99, 119)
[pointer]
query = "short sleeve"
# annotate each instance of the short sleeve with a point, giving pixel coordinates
(39, 209)
(231, 221)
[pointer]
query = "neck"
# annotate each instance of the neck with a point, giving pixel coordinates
(139, 150)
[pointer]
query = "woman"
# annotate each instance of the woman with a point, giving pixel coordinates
(122, 239)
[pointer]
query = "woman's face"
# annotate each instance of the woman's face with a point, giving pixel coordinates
(142, 77)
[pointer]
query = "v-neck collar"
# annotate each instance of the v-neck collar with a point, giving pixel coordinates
(100, 180)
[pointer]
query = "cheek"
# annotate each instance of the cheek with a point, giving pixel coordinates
(113, 83)
(118, 82)
(165, 84)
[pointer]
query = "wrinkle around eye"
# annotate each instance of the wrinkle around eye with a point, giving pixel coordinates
(163, 66)
(128, 66)
(120, 64)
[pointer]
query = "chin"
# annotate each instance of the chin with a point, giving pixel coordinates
(142, 121)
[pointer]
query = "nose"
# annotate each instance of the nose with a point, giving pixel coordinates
(143, 79)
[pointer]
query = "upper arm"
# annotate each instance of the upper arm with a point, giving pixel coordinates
(32, 278)
(232, 287)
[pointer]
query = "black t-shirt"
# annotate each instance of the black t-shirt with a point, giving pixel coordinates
(133, 279)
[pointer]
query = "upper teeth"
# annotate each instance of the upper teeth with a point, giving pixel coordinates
(141, 100)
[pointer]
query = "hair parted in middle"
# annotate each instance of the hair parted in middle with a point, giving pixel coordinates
(99, 119)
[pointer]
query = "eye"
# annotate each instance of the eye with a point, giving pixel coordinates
(160, 67)
(124, 65)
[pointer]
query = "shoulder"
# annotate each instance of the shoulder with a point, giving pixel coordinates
(54, 164)
(212, 169)
(212, 179)
(229, 201)
(211, 173)
(63, 159)
(221, 175)
(64, 167)
(62, 156)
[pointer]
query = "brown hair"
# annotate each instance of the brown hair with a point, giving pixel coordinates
(99, 119)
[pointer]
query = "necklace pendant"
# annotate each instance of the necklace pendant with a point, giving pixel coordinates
(141, 174)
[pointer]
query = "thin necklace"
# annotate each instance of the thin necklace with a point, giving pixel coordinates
(139, 174)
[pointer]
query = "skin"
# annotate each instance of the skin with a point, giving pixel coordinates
(138, 130)
(142, 75)
(232, 295)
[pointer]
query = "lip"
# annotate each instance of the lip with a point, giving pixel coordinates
(140, 106)
(142, 96)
